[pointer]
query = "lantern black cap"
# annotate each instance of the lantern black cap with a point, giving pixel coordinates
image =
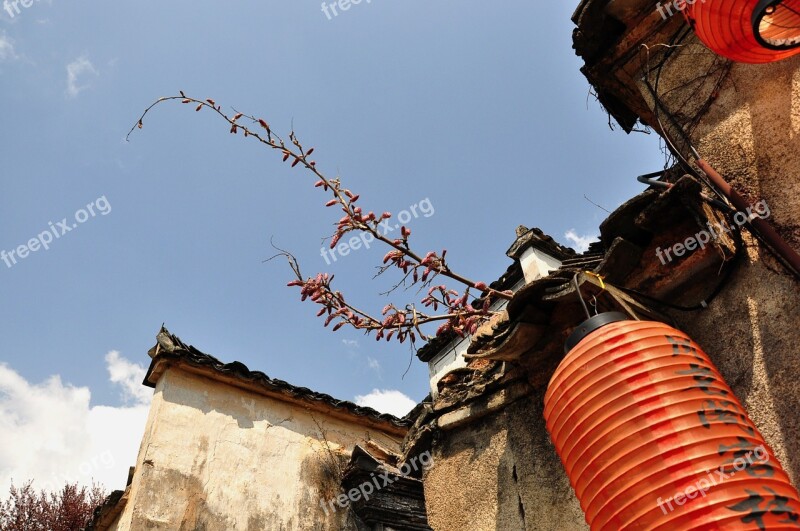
(590, 325)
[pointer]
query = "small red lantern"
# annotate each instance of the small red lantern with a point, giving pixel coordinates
(748, 31)
(652, 437)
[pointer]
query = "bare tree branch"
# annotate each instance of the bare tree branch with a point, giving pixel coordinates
(419, 269)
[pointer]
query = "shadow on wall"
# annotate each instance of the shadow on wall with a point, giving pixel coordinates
(748, 331)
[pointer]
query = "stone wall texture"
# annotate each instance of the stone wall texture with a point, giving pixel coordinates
(501, 473)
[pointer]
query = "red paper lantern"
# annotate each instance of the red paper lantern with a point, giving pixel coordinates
(652, 438)
(747, 31)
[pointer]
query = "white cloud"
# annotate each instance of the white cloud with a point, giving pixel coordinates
(77, 71)
(373, 364)
(129, 376)
(387, 401)
(7, 52)
(580, 243)
(350, 343)
(52, 435)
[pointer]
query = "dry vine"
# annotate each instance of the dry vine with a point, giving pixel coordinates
(459, 315)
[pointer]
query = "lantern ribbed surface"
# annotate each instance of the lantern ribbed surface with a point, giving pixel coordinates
(727, 28)
(652, 437)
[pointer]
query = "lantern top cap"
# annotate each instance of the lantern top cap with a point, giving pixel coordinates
(590, 325)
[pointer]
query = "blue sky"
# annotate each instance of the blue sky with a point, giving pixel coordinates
(479, 108)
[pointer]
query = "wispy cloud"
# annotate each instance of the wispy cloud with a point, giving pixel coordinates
(387, 401)
(129, 376)
(51, 433)
(373, 364)
(352, 343)
(79, 75)
(7, 52)
(580, 243)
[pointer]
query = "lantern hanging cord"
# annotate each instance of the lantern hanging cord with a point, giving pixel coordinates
(580, 297)
(598, 277)
(602, 288)
(627, 302)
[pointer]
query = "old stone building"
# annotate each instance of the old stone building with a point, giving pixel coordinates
(229, 448)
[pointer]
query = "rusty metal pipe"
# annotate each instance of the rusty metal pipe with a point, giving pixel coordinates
(788, 255)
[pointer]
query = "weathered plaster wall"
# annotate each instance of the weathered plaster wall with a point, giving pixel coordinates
(501, 473)
(216, 457)
(751, 134)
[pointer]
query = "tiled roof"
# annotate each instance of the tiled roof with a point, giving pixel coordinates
(171, 348)
(512, 275)
(544, 312)
(526, 237)
(544, 242)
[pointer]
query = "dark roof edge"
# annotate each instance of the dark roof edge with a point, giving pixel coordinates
(171, 349)
(525, 236)
(507, 281)
(539, 240)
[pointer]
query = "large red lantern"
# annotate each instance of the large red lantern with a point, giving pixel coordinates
(747, 31)
(652, 437)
